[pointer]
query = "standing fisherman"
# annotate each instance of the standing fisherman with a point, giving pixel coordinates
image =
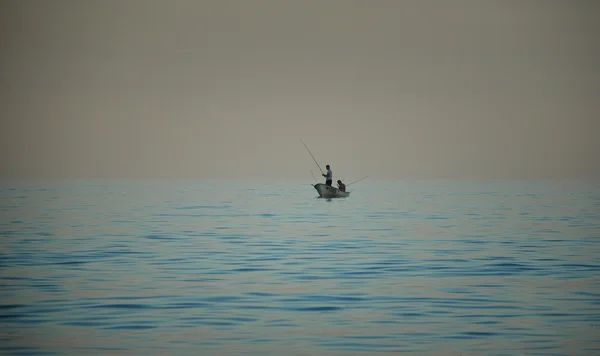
(328, 176)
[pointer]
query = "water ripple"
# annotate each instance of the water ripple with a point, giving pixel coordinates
(145, 268)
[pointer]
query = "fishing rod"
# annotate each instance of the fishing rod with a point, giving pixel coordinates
(357, 181)
(313, 175)
(313, 157)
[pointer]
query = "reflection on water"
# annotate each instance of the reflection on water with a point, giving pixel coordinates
(436, 268)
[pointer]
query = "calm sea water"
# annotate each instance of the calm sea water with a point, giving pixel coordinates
(265, 268)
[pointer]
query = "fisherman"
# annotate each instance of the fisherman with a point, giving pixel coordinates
(341, 186)
(328, 176)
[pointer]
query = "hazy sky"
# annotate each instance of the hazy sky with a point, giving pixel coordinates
(386, 88)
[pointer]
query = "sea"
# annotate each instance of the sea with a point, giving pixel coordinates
(257, 267)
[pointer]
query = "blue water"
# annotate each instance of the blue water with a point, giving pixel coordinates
(152, 267)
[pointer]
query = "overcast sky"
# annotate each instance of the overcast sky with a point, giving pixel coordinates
(388, 88)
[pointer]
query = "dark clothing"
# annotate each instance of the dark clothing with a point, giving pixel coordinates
(342, 187)
(328, 182)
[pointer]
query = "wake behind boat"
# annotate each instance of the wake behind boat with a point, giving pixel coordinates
(327, 191)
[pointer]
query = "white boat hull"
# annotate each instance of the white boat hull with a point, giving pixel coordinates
(326, 191)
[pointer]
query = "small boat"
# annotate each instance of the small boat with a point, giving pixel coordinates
(327, 191)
